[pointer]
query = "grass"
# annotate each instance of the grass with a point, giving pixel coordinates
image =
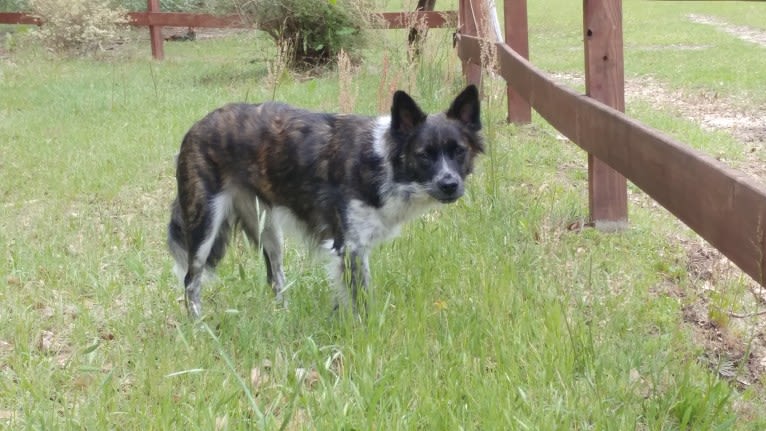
(492, 313)
(721, 62)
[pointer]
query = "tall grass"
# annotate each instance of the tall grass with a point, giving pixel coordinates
(497, 312)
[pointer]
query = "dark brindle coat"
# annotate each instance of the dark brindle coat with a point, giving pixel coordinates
(346, 181)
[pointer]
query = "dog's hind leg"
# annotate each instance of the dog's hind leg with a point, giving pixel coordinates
(266, 235)
(177, 242)
(207, 241)
(272, 241)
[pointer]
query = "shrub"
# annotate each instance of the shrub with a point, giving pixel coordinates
(78, 26)
(316, 30)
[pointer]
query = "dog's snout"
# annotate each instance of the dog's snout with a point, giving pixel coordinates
(449, 184)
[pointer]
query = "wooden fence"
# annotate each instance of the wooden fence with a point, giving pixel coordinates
(155, 20)
(726, 207)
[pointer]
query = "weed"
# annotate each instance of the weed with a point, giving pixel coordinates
(79, 26)
(346, 88)
(497, 312)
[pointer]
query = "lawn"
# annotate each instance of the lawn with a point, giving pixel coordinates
(497, 312)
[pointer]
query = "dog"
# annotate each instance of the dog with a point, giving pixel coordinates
(347, 182)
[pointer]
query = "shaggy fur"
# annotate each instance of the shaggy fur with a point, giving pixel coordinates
(347, 181)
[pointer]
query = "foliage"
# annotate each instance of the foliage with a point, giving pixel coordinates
(316, 30)
(78, 26)
(130, 5)
(496, 312)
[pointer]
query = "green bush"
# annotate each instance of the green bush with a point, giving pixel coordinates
(78, 26)
(315, 30)
(135, 5)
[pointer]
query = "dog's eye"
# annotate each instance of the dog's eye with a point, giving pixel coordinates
(423, 158)
(459, 151)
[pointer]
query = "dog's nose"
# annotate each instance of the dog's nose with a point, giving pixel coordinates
(448, 185)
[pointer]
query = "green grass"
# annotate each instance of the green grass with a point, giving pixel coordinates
(489, 314)
(722, 62)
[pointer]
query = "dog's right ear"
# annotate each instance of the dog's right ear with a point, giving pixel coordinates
(465, 108)
(406, 115)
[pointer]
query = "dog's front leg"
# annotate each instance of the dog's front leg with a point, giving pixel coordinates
(358, 276)
(350, 272)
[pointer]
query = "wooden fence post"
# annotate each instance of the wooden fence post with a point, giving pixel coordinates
(605, 82)
(468, 11)
(517, 37)
(155, 31)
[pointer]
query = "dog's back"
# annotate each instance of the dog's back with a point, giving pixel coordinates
(348, 180)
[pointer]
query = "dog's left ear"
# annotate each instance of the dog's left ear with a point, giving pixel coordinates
(406, 115)
(465, 108)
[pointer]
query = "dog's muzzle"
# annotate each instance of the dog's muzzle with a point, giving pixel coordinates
(447, 187)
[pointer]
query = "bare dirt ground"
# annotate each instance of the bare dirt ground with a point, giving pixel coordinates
(745, 33)
(733, 338)
(178, 33)
(734, 342)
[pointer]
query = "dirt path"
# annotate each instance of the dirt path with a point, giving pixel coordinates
(748, 34)
(734, 341)
(713, 112)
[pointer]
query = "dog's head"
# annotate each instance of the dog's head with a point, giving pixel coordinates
(436, 151)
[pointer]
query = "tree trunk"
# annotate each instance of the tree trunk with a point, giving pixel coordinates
(415, 38)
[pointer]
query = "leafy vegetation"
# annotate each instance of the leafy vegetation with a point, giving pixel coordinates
(313, 32)
(133, 5)
(77, 26)
(497, 312)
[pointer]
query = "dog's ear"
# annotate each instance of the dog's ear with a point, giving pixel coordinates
(406, 115)
(465, 108)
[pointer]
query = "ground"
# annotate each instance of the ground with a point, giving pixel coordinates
(738, 339)
(732, 335)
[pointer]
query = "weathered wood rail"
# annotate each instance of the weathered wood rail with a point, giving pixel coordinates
(724, 206)
(155, 20)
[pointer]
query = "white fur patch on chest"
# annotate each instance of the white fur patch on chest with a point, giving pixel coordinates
(368, 225)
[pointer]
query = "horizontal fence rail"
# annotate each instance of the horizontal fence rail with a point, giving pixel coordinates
(18, 18)
(725, 207)
(392, 20)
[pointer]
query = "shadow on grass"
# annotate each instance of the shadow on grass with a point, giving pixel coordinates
(232, 76)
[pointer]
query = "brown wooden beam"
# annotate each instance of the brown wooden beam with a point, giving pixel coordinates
(724, 206)
(182, 19)
(392, 20)
(516, 36)
(155, 31)
(19, 18)
(605, 82)
(433, 19)
(471, 14)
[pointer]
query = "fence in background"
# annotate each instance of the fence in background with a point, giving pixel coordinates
(724, 206)
(155, 20)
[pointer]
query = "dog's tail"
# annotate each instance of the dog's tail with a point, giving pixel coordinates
(177, 243)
